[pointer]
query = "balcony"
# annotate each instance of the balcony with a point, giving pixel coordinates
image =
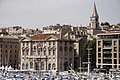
(107, 52)
(107, 57)
(107, 47)
(39, 56)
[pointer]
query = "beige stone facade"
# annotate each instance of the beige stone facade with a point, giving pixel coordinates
(108, 50)
(46, 52)
(9, 51)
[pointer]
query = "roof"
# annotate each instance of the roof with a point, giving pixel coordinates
(45, 36)
(109, 33)
(94, 13)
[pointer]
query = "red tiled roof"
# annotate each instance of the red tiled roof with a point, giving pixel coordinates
(43, 36)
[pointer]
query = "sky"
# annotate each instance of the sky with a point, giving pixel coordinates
(41, 13)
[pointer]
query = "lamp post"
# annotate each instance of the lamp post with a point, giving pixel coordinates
(89, 60)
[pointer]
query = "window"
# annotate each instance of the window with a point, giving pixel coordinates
(99, 49)
(10, 51)
(44, 52)
(23, 52)
(27, 66)
(31, 65)
(53, 42)
(99, 54)
(49, 66)
(60, 48)
(49, 43)
(10, 46)
(1, 45)
(115, 43)
(53, 52)
(23, 66)
(23, 44)
(115, 55)
(53, 66)
(27, 43)
(99, 60)
(70, 48)
(115, 49)
(65, 48)
(65, 43)
(15, 56)
(1, 55)
(6, 46)
(99, 43)
(27, 52)
(6, 51)
(15, 46)
(42, 65)
(10, 60)
(115, 61)
(60, 42)
(75, 52)
(15, 51)
(60, 65)
(10, 56)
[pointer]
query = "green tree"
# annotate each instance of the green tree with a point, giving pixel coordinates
(90, 44)
(4, 33)
(118, 24)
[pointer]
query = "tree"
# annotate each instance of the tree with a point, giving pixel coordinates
(4, 33)
(118, 24)
(105, 23)
(90, 44)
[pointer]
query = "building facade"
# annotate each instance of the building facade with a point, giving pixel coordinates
(46, 52)
(108, 50)
(9, 51)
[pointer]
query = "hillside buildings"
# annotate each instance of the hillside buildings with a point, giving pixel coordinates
(56, 47)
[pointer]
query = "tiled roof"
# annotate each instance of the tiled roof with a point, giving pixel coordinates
(43, 36)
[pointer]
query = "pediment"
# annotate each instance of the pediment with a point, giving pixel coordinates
(26, 39)
(51, 38)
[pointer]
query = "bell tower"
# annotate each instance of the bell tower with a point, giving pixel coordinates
(94, 18)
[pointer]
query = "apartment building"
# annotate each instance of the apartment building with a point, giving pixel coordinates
(108, 50)
(46, 52)
(9, 51)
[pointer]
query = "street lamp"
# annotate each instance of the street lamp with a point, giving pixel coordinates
(89, 60)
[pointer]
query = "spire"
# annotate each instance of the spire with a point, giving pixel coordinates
(94, 13)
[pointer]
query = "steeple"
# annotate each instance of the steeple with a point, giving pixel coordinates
(94, 13)
(94, 18)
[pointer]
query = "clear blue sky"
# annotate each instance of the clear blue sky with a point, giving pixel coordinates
(39, 13)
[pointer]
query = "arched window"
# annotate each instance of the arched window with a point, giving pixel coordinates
(49, 66)
(31, 65)
(53, 66)
(23, 65)
(42, 65)
(26, 65)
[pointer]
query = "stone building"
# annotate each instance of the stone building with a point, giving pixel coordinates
(46, 52)
(9, 51)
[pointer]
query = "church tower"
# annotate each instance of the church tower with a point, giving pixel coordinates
(94, 19)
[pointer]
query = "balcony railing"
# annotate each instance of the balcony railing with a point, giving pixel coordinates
(107, 52)
(107, 47)
(107, 57)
